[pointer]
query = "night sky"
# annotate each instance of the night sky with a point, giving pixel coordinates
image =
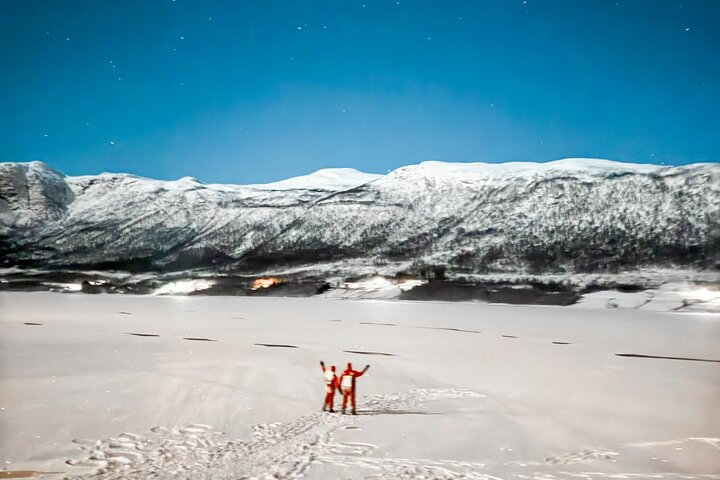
(255, 91)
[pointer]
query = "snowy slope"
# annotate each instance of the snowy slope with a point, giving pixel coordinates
(31, 194)
(573, 215)
(484, 217)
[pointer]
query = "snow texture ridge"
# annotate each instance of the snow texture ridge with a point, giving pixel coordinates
(299, 448)
(275, 450)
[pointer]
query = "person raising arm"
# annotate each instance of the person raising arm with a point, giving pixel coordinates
(347, 386)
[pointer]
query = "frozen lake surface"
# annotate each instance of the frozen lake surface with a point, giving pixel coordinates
(110, 386)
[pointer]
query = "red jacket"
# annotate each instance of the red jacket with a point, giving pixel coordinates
(353, 374)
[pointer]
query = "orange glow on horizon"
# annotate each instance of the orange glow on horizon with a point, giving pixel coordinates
(264, 283)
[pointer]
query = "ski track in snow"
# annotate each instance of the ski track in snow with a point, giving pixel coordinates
(288, 451)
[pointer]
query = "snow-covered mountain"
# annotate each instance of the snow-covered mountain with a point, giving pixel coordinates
(572, 215)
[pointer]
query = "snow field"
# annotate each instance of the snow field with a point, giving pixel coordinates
(109, 386)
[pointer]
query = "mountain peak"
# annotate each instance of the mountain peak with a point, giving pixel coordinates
(324, 179)
(36, 166)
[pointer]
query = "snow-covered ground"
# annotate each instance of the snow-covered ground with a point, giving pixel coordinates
(681, 297)
(143, 387)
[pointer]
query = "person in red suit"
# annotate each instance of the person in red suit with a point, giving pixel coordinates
(331, 385)
(347, 385)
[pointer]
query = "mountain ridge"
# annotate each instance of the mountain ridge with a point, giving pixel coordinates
(567, 215)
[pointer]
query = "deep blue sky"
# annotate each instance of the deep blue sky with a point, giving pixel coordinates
(254, 91)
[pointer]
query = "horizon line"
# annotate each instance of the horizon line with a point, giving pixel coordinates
(645, 166)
